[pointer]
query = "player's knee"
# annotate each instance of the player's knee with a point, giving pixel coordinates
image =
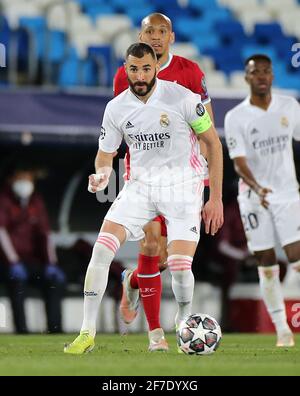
(104, 250)
(266, 258)
(181, 268)
(293, 256)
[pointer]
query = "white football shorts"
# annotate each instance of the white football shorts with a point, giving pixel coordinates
(180, 204)
(263, 227)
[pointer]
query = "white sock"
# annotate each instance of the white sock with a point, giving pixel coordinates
(292, 276)
(272, 295)
(182, 284)
(295, 267)
(96, 279)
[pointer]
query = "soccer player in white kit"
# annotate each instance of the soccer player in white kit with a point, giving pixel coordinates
(259, 133)
(161, 122)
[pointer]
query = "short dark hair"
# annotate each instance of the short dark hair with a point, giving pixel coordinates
(138, 50)
(258, 57)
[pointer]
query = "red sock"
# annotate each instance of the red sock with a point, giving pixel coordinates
(149, 281)
(134, 280)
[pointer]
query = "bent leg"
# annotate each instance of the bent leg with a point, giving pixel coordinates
(148, 274)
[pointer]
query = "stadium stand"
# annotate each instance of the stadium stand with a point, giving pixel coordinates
(53, 39)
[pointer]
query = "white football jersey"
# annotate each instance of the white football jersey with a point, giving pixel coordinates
(264, 137)
(163, 148)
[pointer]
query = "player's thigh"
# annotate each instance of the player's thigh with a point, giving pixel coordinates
(287, 221)
(183, 219)
(132, 210)
(258, 224)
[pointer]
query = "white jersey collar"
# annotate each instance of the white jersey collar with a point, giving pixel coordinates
(165, 65)
(273, 101)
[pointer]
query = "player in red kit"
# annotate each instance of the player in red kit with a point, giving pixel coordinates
(145, 281)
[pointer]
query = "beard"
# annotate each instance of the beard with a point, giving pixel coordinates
(138, 86)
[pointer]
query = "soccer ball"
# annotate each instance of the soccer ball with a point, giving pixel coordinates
(199, 334)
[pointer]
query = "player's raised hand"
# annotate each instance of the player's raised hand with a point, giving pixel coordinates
(212, 215)
(97, 182)
(262, 192)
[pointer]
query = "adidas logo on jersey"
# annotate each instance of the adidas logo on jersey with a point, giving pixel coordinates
(254, 130)
(129, 125)
(194, 230)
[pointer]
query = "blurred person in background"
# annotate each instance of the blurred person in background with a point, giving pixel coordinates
(27, 256)
(259, 134)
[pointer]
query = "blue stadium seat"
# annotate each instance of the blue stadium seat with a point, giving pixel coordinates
(219, 14)
(204, 5)
(89, 73)
(5, 32)
(283, 47)
(279, 69)
(36, 28)
(69, 72)
(192, 28)
(231, 32)
(166, 3)
(121, 5)
(227, 59)
(56, 44)
(206, 41)
(137, 13)
(266, 33)
(95, 10)
(249, 50)
(88, 3)
(288, 81)
(103, 58)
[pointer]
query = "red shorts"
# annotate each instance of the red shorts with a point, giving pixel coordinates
(162, 222)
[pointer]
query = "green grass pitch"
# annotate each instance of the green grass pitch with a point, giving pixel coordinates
(245, 354)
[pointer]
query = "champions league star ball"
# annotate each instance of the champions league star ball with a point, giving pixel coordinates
(199, 334)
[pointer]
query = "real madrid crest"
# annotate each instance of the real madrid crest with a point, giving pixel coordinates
(284, 121)
(164, 120)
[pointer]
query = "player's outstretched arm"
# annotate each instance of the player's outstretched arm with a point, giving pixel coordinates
(213, 210)
(103, 165)
(242, 169)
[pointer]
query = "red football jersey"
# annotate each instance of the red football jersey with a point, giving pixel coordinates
(177, 69)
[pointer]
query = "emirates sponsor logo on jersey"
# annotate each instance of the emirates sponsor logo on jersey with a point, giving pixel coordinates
(149, 137)
(271, 145)
(148, 141)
